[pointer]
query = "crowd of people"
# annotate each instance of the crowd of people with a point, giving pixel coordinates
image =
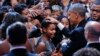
(49, 27)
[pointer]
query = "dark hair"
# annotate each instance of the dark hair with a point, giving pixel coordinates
(39, 17)
(6, 2)
(69, 23)
(16, 33)
(1, 16)
(6, 8)
(20, 7)
(45, 23)
(3, 11)
(61, 17)
(10, 18)
(32, 2)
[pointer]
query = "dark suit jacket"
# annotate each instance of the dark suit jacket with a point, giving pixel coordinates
(94, 45)
(19, 52)
(77, 38)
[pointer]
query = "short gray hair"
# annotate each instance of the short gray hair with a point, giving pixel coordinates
(78, 8)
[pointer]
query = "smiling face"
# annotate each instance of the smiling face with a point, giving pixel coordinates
(50, 30)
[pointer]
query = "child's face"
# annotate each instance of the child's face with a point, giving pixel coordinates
(51, 30)
(65, 22)
(55, 13)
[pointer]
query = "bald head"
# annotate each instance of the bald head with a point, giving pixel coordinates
(93, 28)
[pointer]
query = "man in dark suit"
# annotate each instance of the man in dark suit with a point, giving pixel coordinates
(92, 34)
(17, 36)
(76, 15)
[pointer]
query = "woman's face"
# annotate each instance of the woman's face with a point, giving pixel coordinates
(65, 22)
(50, 30)
(47, 13)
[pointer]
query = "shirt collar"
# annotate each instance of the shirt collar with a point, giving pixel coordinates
(93, 42)
(17, 47)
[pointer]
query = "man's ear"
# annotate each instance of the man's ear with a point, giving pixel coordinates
(86, 34)
(77, 14)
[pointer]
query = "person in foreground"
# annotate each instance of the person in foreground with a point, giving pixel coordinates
(17, 36)
(92, 34)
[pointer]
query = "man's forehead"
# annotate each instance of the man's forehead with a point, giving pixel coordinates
(72, 12)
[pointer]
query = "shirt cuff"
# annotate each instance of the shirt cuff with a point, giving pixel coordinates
(60, 26)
